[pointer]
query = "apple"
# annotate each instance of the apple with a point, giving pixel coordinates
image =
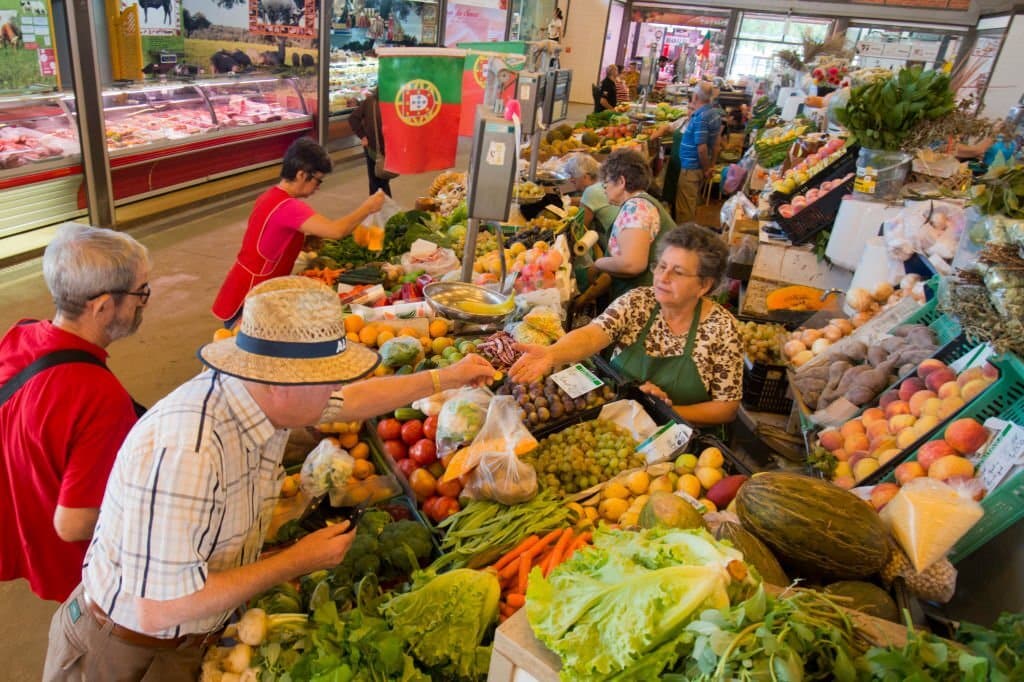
(908, 471)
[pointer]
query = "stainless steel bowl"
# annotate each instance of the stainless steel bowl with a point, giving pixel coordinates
(442, 295)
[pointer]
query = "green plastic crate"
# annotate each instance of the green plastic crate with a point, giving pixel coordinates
(1003, 506)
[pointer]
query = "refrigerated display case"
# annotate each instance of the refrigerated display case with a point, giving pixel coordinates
(351, 76)
(40, 163)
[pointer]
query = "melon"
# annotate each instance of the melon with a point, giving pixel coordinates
(667, 510)
(815, 528)
(864, 597)
(754, 552)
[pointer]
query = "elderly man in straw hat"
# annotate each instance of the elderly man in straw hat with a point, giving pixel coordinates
(177, 544)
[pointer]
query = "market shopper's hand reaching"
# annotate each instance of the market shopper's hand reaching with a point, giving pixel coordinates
(650, 389)
(471, 370)
(533, 364)
(322, 549)
(374, 202)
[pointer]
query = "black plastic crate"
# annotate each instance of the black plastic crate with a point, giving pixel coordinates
(847, 163)
(815, 217)
(766, 387)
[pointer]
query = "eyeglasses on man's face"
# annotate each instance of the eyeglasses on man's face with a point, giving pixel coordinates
(142, 294)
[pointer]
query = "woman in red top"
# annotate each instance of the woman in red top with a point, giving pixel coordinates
(279, 222)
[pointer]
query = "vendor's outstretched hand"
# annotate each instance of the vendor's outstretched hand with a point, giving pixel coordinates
(375, 201)
(472, 370)
(650, 389)
(533, 364)
(322, 549)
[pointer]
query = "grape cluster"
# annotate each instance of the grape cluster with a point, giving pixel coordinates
(543, 402)
(583, 455)
(762, 342)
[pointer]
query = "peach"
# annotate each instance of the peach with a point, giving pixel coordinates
(831, 439)
(878, 429)
(851, 427)
(883, 444)
(882, 493)
(969, 375)
(844, 482)
(972, 389)
(896, 407)
(888, 397)
(856, 457)
(949, 466)
(908, 471)
(889, 455)
(926, 424)
(917, 401)
(843, 469)
(950, 389)
(906, 438)
(950, 406)
(855, 442)
(909, 387)
(928, 366)
(900, 422)
(931, 407)
(933, 450)
(865, 468)
(990, 371)
(872, 414)
(940, 376)
(841, 454)
(966, 436)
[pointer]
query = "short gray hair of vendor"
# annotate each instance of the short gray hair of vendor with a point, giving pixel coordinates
(629, 164)
(579, 165)
(704, 91)
(708, 246)
(83, 261)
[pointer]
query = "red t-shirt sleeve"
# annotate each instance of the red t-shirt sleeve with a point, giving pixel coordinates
(109, 415)
(282, 226)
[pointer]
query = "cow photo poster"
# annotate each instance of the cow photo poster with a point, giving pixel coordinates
(28, 59)
(157, 17)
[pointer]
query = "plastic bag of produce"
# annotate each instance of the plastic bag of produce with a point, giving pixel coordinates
(927, 517)
(497, 472)
(401, 350)
(327, 466)
(461, 418)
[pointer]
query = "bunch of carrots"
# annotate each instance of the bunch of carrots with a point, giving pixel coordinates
(543, 551)
(328, 276)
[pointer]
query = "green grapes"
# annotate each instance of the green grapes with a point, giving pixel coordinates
(583, 455)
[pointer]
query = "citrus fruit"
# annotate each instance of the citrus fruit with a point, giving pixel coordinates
(222, 334)
(360, 451)
(438, 328)
(353, 337)
(384, 336)
(368, 335)
(353, 323)
(439, 344)
(408, 331)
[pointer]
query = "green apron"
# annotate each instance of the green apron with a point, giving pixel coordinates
(677, 375)
(621, 285)
(670, 185)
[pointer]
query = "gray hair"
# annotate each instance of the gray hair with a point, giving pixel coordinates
(704, 91)
(711, 250)
(579, 165)
(83, 261)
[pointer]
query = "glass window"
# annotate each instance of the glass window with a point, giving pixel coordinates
(760, 36)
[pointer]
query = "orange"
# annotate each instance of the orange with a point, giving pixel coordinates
(425, 342)
(408, 331)
(360, 451)
(353, 323)
(368, 335)
(384, 336)
(438, 327)
(222, 334)
(363, 469)
(382, 371)
(348, 440)
(353, 337)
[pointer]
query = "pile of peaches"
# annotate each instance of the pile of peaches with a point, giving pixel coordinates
(904, 415)
(802, 201)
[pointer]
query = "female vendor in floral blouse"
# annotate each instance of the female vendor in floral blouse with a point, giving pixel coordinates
(680, 346)
(641, 220)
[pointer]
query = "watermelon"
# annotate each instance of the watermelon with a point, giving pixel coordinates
(864, 597)
(754, 552)
(815, 528)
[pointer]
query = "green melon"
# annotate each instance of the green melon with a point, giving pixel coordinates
(666, 510)
(754, 552)
(813, 527)
(866, 598)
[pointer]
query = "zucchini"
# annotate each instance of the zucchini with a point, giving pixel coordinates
(404, 414)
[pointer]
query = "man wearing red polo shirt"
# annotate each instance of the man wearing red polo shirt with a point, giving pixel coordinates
(63, 414)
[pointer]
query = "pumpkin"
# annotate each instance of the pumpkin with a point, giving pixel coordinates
(813, 526)
(798, 297)
(754, 552)
(864, 597)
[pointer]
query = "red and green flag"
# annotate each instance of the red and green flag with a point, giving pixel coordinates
(474, 75)
(420, 95)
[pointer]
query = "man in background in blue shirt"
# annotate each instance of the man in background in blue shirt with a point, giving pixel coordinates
(695, 149)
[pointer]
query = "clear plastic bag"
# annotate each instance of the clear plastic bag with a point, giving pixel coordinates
(327, 466)
(388, 209)
(461, 418)
(497, 472)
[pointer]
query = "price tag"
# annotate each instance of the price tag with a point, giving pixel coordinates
(665, 442)
(576, 380)
(976, 358)
(1005, 453)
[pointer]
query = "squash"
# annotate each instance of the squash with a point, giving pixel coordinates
(754, 552)
(798, 297)
(813, 526)
(864, 597)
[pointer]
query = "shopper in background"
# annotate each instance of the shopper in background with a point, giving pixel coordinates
(642, 219)
(279, 222)
(608, 97)
(621, 89)
(682, 346)
(556, 26)
(598, 213)
(63, 414)
(695, 148)
(365, 122)
(177, 545)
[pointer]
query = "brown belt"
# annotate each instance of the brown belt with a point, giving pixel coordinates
(139, 639)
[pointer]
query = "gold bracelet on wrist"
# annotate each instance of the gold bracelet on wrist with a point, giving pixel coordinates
(435, 377)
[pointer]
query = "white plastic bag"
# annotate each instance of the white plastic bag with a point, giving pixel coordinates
(461, 418)
(630, 415)
(499, 474)
(387, 210)
(326, 467)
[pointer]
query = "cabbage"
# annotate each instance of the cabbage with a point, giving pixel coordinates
(460, 419)
(399, 351)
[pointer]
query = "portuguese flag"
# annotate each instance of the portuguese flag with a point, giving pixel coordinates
(420, 94)
(474, 75)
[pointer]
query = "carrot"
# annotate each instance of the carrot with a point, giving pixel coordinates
(515, 600)
(542, 545)
(558, 552)
(524, 573)
(581, 541)
(510, 571)
(515, 552)
(506, 610)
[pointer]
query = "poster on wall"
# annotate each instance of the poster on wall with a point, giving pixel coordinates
(157, 17)
(27, 57)
(978, 66)
(469, 21)
(292, 18)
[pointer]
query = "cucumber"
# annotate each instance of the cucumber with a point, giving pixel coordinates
(404, 414)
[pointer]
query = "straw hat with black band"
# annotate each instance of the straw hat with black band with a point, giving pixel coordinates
(292, 333)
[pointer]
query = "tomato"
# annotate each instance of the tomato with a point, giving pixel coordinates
(398, 512)
(449, 489)
(445, 507)
(407, 466)
(423, 484)
(429, 506)
(430, 428)
(412, 431)
(424, 452)
(396, 449)
(389, 429)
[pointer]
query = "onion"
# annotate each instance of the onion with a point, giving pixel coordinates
(918, 292)
(802, 357)
(860, 318)
(882, 292)
(843, 324)
(819, 346)
(833, 333)
(809, 336)
(791, 348)
(859, 299)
